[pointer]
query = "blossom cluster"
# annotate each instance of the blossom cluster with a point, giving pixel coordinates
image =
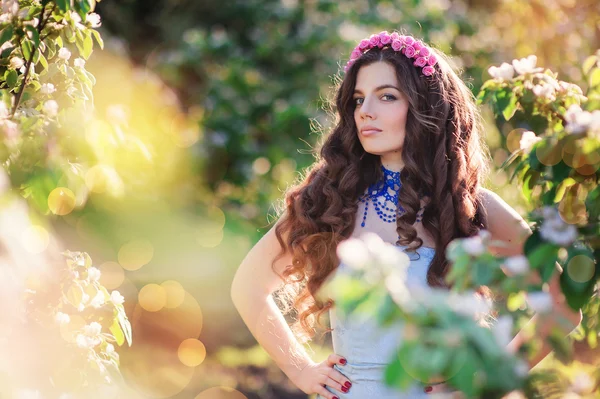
(407, 45)
(555, 230)
(580, 121)
(521, 66)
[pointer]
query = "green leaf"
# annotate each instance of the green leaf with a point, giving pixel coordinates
(64, 5)
(59, 42)
(563, 348)
(27, 49)
(6, 34)
(592, 203)
(75, 295)
(506, 102)
(98, 38)
(589, 63)
(595, 77)
(35, 35)
(43, 60)
(124, 323)
(116, 331)
(11, 78)
(543, 255)
(88, 46)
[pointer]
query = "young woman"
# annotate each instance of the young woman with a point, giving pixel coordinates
(406, 161)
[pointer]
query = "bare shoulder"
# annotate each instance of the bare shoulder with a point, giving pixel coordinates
(504, 224)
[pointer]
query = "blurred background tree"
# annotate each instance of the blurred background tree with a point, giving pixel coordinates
(206, 111)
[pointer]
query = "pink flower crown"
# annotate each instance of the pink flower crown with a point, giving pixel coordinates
(407, 45)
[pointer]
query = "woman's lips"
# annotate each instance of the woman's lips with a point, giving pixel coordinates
(370, 132)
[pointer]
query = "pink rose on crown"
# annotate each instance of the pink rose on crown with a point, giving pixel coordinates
(410, 52)
(395, 36)
(418, 45)
(364, 44)
(424, 52)
(374, 40)
(385, 38)
(396, 45)
(408, 40)
(356, 53)
(428, 70)
(420, 62)
(432, 60)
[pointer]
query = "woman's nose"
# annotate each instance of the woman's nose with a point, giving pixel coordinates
(366, 109)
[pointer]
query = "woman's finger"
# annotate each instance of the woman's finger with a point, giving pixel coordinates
(335, 359)
(339, 379)
(325, 393)
(331, 383)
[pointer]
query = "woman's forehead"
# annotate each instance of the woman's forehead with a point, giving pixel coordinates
(376, 75)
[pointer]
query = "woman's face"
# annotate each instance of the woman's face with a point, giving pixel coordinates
(380, 112)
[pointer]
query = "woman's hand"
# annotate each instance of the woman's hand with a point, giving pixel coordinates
(316, 376)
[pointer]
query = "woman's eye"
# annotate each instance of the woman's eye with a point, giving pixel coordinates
(358, 101)
(389, 97)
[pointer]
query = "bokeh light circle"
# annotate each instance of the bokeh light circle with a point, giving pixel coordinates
(581, 268)
(513, 139)
(152, 297)
(191, 352)
(35, 239)
(175, 293)
(135, 254)
(61, 201)
(221, 393)
(112, 275)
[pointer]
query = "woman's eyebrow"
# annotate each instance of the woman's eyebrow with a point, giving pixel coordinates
(379, 88)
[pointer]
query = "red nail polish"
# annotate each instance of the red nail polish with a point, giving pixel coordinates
(335, 397)
(343, 361)
(348, 384)
(428, 389)
(344, 389)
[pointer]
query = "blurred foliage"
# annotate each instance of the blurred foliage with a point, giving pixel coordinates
(262, 70)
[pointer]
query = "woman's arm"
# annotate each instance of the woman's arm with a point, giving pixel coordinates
(506, 225)
(251, 290)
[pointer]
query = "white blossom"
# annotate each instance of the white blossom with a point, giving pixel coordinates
(81, 307)
(582, 383)
(79, 62)
(528, 139)
(9, 128)
(521, 368)
(94, 274)
(116, 297)
(98, 300)
(579, 121)
(62, 318)
(85, 298)
(354, 253)
(473, 246)
(517, 265)
(16, 62)
(93, 329)
(10, 7)
(526, 65)
(502, 331)
(86, 341)
(64, 54)
(539, 301)
(50, 108)
(94, 20)
(555, 230)
(47, 88)
(110, 348)
(545, 91)
(504, 71)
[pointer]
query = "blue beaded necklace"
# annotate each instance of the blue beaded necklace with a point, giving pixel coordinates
(388, 188)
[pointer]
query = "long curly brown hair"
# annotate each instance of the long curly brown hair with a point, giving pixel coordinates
(444, 159)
